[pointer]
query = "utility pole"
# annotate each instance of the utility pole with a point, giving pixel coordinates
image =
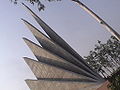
(101, 21)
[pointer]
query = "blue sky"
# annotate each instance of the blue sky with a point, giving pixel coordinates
(72, 23)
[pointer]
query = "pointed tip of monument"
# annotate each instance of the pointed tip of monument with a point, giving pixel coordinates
(26, 59)
(26, 40)
(28, 81)
(31, 12)
(25, 21)
(24, 5)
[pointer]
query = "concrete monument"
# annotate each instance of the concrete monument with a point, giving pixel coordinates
(58, 66)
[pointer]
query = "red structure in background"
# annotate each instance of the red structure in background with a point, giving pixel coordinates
(104, 86)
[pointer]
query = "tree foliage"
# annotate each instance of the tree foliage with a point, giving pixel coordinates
(105, 59)
(105, 55)
(115, 83)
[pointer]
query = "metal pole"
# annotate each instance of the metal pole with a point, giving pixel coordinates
(102, 22)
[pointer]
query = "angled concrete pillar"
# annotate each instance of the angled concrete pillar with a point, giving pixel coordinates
(59, 85)
(42, 70)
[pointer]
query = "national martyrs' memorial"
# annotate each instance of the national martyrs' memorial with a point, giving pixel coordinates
(58, 66)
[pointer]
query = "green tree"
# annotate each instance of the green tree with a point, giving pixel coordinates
(115, 83)
(105, 59)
